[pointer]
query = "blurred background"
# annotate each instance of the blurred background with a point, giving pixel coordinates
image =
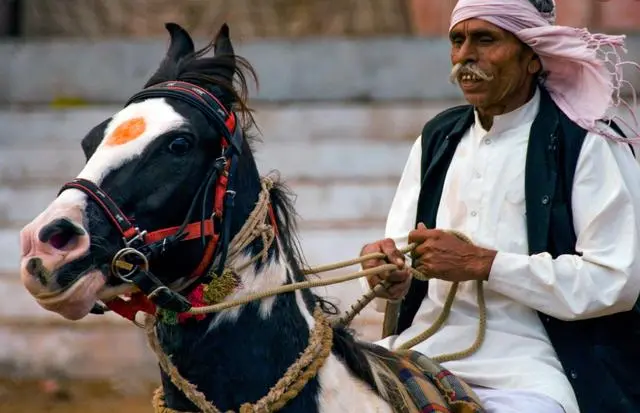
(345, 88)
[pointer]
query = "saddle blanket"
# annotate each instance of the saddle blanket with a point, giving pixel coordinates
(431, 387)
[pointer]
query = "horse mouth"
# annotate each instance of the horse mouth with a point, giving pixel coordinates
(76, 301)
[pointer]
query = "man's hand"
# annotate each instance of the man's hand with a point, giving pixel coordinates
(445, 256)
(400, 279)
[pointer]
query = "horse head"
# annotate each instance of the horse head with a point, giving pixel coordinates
(161, 177)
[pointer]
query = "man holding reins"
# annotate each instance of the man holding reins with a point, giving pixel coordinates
(533, 172)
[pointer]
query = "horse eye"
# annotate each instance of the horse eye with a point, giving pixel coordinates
(180, 146)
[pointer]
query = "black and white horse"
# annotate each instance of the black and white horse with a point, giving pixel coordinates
(153, 161)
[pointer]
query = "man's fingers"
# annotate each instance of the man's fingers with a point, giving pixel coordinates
(422, 233)
(396, 291)
(373, 280)
(398, 276)
(372, 248)
(372, 264)
(399, 283)
(394, 256)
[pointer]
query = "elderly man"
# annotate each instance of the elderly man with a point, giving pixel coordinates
(550, 198)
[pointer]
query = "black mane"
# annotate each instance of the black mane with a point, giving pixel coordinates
(344, 344)
(226, 75)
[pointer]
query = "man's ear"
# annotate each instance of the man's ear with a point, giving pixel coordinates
(535, 65)
(180, 46)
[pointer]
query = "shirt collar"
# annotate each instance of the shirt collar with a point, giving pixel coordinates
(506, 122)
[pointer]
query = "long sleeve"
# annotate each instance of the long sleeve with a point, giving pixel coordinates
(605, 277)
(402, 214)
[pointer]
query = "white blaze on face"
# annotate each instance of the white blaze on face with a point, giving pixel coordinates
(127, 135)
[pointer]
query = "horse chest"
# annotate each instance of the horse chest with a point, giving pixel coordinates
(239, 361)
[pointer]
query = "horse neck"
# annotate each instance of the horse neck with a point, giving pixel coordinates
(237, 355)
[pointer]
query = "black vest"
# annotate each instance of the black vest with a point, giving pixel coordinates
(600, 356)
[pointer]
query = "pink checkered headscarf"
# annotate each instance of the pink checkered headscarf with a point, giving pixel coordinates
(584, 71)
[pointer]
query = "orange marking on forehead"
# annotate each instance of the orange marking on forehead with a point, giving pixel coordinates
(127, 131)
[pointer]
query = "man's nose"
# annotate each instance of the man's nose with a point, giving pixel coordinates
(466, 53)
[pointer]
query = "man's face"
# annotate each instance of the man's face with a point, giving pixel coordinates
(497, 54)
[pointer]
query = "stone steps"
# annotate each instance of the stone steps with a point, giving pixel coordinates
(295, 161)
(320, 246)
(37, 342)
(296, 122)
(320, 204)
(342, 162)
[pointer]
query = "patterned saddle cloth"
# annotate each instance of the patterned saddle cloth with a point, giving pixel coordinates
(431, 388)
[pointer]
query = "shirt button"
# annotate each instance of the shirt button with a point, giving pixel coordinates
(545, 200)
(477, 174)
(474, 213)
(487, 141)
(573, 374)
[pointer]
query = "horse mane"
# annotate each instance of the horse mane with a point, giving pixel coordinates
(282, 201)
(211, 73)
(344, 343)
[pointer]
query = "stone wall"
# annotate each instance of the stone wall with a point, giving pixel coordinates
(389, 69)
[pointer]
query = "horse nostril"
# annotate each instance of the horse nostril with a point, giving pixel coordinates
(59, 233)
(33, 265)
(36, 268)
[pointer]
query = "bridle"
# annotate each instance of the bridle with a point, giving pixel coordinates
(131, 263)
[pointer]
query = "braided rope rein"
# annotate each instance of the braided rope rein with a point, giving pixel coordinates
(320, 339)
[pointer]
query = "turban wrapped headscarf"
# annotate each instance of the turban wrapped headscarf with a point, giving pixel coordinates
(583, 71)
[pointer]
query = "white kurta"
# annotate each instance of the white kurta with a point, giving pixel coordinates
(484, 197)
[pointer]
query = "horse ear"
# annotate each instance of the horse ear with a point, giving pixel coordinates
(222, 47)
(222, 44)
(180, 45)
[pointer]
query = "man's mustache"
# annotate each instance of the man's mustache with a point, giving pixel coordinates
(459, 69)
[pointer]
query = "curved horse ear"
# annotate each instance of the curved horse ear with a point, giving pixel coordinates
(222, 47)
(222, 44)
(180, 46)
